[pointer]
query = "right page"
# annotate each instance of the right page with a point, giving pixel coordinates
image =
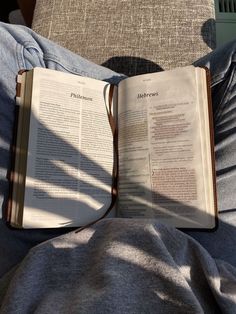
(165, 147)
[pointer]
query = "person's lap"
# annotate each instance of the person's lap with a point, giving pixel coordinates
(221, 62)
(22, 48)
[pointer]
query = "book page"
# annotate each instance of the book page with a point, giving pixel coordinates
(165, 169)
(70, 151)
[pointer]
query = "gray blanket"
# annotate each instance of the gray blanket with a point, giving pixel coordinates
(120, 266)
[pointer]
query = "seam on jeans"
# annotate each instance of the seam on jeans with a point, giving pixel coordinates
(116, 77)
(66, 67)
(220, 77)
(19, 56)
(50, 57)
(217, 79)
(226, 92)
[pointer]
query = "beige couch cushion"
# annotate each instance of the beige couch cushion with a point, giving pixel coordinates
(130, 36)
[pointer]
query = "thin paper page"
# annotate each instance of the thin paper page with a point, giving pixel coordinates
(162, 157)
(70, 153)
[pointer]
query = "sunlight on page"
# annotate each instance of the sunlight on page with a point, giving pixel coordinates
(51, 191)
(164, 147)
(70, 208)
(70, 153)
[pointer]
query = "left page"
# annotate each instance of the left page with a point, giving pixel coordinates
(70, 151)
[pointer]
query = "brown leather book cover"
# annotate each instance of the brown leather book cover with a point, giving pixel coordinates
(11, 170)
(212, 140)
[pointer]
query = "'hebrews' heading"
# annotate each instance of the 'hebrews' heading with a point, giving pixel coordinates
(144, 95)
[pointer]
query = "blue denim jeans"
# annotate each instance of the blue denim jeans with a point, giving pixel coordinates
(21, 48)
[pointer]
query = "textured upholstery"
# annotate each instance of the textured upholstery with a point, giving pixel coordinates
(130, 36)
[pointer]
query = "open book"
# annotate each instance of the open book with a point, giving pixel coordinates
(76, 136)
